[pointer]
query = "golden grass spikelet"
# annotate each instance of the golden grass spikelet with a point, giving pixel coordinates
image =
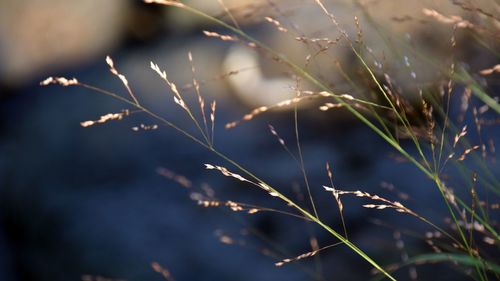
(145, 127)
(238, 206)
(166, 2)
(459, 136)
(201, 100)
(325, 40)
(455, 20)
(122, 77)
(334, 191)
(220, 36)
(213, 107)
(226, 172)
(247, 117)
(335, 194)
(253, 211)
(434, 234)
(430, 122)
(266, 187)
(433, 246)
(467, 151)
(163, 271)
(490, 71)
(105, 118)
(464, 103)
(234, 206)
(208, 203)
(327, 106)
(359, 30)
(347, 97)
(305, 255)
(489, 240)
(262, 109)
(60, 81)
(387, 203)
(156, 68)
(177, 96)
(323, 45)
(306, 96)
(273, 131)
(180, 179)
(450, 196)
(111, 64)
(274, 194)
(477, 122)
(277, 24)
(226, 239)
(332, 18)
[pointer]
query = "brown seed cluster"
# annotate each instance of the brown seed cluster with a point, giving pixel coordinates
(60, 81)
(105, 118)
(397, 206)
(276, 23)
(163, 271)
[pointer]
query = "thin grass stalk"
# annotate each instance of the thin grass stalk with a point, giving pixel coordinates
(301, 161)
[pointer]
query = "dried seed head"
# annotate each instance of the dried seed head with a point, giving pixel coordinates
(220, 36)
(105, 118)
(180, 179)
(163, 271)
(277, 24)
(145, 127)
(156, 68)
(226, 172)
(460, 135)
(59, 80)
(166, 2)
(273, 131)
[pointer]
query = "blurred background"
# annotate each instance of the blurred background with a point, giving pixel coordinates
(96, 203)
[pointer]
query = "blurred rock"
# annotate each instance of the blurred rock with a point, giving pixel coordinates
(251, 85)
(39, 35)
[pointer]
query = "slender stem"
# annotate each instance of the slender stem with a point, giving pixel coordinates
(301, 159)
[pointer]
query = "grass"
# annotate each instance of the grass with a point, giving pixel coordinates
(386, 111)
